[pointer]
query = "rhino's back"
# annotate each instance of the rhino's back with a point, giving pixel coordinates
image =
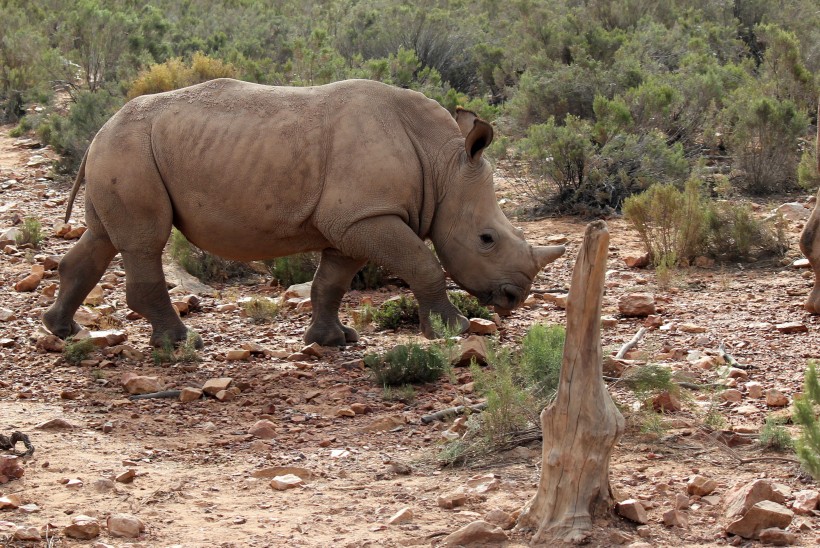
(249, 161)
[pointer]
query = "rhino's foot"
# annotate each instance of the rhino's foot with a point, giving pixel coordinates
(176, 338)
(56, 323)
(335, 335)
(813, 302)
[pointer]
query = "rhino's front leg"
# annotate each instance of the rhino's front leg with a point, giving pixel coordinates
(330, 283)
(810, 246)
(388, 241)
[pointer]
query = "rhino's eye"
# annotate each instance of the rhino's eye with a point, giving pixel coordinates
(487, 239)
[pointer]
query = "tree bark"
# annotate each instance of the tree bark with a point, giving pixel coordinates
(580, 429)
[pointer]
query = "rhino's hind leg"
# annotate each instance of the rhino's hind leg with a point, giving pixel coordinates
(147, 294)
(80, 270)
(330, 283)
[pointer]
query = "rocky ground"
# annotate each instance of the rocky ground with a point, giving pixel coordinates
(199, 473)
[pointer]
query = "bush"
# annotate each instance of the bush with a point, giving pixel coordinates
(185, 352)
(542, 351)
(260, 310)
(295, 269)
(734, 234)
(197, 262)
(671, 223)
(808, 444)
(31, 233)
(174, 74)
(808, 173)
(407, 364)
(774, 435)
(395, 313)
(469, 305)
(77, 351)
(763, 141)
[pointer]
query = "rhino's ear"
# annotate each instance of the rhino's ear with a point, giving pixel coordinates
(479, 138)
(465, 120)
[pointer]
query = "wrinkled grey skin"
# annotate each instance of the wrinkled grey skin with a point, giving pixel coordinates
(357, 170)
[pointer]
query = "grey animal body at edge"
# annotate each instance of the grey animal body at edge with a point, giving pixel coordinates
(357, 169)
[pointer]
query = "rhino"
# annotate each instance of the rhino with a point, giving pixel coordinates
(810, 239)
(356, 169)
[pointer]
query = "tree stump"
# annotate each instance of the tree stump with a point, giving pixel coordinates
(581, 427)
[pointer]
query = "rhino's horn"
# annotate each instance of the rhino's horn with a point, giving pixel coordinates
(544, 255)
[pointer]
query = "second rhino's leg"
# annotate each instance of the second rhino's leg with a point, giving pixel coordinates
(388, 241)
(330, 283)
(80, 270)
(810, 246)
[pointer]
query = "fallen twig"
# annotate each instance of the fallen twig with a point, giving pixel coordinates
(162, 394)
(728, 358)
(444, 414)
(629, 345)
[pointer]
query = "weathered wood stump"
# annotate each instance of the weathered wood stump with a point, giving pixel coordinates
(581, 427)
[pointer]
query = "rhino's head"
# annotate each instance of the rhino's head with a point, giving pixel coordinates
(475, 242)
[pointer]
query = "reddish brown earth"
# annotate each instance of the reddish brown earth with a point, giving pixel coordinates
(194, 461)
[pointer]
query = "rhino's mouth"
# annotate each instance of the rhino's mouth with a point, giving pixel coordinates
(505, 297)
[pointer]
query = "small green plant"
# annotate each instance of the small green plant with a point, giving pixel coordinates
(404, 393)
(395, 313)
(469, 305)
(31, 233)
(77, 351)
(407, 364)
(261, 309)
(363, 316)
(714, 419)
(652, 424)
(200, 263)
(774, 435)
(650, 379)
(185, 352)
(542, 351)
(295, 269)
(808, 444)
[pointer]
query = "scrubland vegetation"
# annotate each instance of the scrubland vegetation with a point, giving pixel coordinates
(594, 100)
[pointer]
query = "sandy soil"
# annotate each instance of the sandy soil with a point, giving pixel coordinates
(195, 462)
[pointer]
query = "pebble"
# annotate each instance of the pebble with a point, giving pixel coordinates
(83, 528)
(288, 481)
(700, 485)
(405, 515)
(632, 510)
(124, 525)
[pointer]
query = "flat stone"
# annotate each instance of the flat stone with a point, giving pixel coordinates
(237, 355)
(189, 394)
(141, 384)
(476, 533)
(805, 502)
(754, 389)
(27, 533)
(675, 518)
(791, 327)
(212, 386)
(288, 481)
(124, 525)
(83, 528)
(472, 348)
(127, 476)
(763, 515)
(774, 536)
(29, 283)
(95, 297)
(405, 515)
(480, 326)
(637, 305)
(56, 424)
(776, 398)
(700, 485)
(449, 501)
(274, 471)
(632, 510)
(7, 315)
(263, 429)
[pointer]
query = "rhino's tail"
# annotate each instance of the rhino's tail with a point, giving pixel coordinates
(76, 188)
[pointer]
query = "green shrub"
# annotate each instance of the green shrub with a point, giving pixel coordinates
(295, 269)
(808, 174)
(542, 351)
(650, 379)
(407, 364)
(405, 393)
(469, 305)
(77, 351)
(808, 444)
(670, 223)
(260, 309)
(774, 435)
(31, 233)
(205, 266)
(395, 313)
(734, 234)
(184, 352)
(174, 74)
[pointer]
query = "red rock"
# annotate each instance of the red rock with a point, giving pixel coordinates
(124, 525)
(473, 347)
(675, 518)
(476, 533)
(29, 283)
(405, 515)
(263, 429)
(666, 402)
(452, 500)
(83, 528)
(700, 486)
(480, 326)
(189, 394)
(805, 502)
(791, 327)
(288, 481)
(637, 261)
(742, 497)
(774, 536)
(212, 386)
(637, 304)
(763, 515)
(632, 510)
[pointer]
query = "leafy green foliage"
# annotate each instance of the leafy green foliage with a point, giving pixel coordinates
(31, 233)
(774, 435)
(294, 269)
(395, 313)
(542, 351)
(261, 309)
(200, 263)
(808, 175)
(808, 444)
(407, 364)
(184, 352)
(175, 74)
(469, 305)
(76, 351)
